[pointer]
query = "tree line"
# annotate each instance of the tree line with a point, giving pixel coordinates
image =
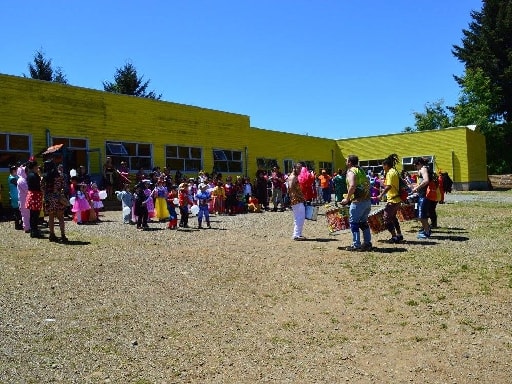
(126, 79)
(485, 87)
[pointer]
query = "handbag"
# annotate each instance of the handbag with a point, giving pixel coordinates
(311, 212)
(63, 200)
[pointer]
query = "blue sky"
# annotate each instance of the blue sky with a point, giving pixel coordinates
(326, 68)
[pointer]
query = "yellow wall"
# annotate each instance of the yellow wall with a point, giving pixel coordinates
(459, 151)
(36, 107)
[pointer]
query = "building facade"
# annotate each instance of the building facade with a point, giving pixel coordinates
(145, 133)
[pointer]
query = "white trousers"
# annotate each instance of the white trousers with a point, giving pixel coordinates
(299, 216)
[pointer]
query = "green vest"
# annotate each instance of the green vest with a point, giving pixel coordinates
(362, 191)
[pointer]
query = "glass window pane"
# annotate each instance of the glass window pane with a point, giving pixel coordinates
(144, 150)
(18, 142)
(78, 143)
(220, 166)
(192, 165)
(131, 148)
(237, 155)
(144, 162)
(183, 152)
(175, 164)
(116, 149)
(235, 166)
(171, 151)
(219, 155)
(196, 153)
(3, 141)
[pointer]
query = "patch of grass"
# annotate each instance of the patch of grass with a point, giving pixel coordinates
(412, 303)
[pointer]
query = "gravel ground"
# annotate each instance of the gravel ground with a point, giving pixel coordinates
(243, 303)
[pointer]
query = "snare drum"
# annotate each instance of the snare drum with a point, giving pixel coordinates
(406, 212)
(376, 221)
(337, 219)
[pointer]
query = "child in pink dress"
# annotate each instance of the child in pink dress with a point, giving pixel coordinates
(81, 206)
(94, 197)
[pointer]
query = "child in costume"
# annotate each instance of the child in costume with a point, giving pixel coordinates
(126, 198)
(141, 205)
(171, 207)
(94, 197)
(160, 195)
(203, 197)
(81, 206)
(22, 198)
(150, 204)
(219, 196)
(184, 201)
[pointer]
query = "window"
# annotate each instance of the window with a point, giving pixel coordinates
(325, 165)
(266, 164)
(136, 155)
(375, 165)
(13, 148)
(408, 162)
(227, 161)
(184, 159)
(288, 166)
(74, 151)
(308, 163)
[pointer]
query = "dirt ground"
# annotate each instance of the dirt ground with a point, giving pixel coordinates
(243, 303)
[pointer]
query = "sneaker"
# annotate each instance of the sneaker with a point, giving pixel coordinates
(393, 240)
(352, 248)
(400, 238)
(64, 239)
(423, 235)
(53, 238)
(366, 247)
(299, 238)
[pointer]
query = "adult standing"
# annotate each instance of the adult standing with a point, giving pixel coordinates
(53, 185)
(277, 180)
(307, 185)
(340, 186)
(325, 185)
(421, 189)
(109, 172)
(22, 197)
(358, 195)
(393, 200)
(261, 189)
(297, 202)
(34, 200)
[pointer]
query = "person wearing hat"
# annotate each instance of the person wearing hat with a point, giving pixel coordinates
(12, 181)
(203, 197)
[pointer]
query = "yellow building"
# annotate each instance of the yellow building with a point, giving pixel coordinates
(145, 133)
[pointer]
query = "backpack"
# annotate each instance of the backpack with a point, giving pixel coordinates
(447, 182)
(403, 189)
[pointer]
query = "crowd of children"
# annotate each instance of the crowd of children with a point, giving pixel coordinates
(159, 197)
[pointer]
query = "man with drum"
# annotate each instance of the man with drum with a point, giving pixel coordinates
(358, 195)
(393, 200)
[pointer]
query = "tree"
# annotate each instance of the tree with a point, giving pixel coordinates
(126, 81)
(42, 69)
(487, 45)
(434, 117)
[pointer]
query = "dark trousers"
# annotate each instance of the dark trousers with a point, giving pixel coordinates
(142, 217)
(34, 221)
(183, 216)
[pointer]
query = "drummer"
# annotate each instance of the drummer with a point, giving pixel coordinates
(358, 195)
(391, 190)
